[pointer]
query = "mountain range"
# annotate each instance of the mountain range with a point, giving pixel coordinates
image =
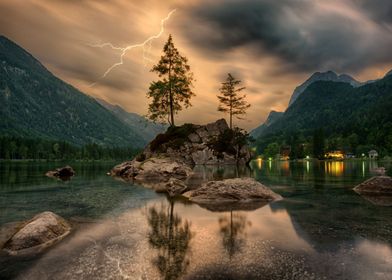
(145, 128)
(316, 77)
(37, 104)
(342, 108)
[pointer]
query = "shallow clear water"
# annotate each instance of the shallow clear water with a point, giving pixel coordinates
(321, 230)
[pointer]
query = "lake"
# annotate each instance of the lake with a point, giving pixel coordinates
(321, 230)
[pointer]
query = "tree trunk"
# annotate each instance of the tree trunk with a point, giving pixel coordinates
(231, 120)
(231, 113)
(171, 94)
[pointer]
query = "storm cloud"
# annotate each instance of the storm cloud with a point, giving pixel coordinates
(271, 45)
(308, 35)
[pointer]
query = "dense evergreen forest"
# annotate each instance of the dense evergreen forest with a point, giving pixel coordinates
(13, 148)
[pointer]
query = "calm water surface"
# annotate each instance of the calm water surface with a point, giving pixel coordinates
(321, 230)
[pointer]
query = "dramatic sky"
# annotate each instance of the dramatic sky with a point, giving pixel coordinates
(271, 45)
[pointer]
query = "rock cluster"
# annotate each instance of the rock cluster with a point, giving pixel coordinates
(171, 155)
(190, 144)
(41, 231)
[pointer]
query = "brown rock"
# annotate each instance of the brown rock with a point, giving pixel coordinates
(63, 172)
(232, 191)
(379, 185)
(41, 231)
(194, 138)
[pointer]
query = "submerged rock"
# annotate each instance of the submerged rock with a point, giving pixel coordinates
(379, 185)
(225, 206)
(379, 200)
(63, 172)
(43, 230)
(232, 194)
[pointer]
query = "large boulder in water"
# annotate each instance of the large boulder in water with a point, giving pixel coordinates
(232, 194)
(379, 185)
(377, 190)
(62, 172)
(152, 169)
(41, 231)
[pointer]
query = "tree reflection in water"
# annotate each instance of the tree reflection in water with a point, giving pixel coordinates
(170, 235)
(233, 231)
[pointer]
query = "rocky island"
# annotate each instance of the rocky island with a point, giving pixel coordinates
(175, 152)
(167, 163)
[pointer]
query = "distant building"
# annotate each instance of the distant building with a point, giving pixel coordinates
(334, 155)
(285, 152)
(373, 154)
(350, 155)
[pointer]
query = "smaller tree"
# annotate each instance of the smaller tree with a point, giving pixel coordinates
(174, 89)
(231, 101)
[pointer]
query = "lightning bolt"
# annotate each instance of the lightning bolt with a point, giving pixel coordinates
(146, 45)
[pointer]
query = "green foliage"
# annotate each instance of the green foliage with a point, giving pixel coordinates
(174, 137)
(272, 150)
(230, 101)
(174, 89)
(230, 142)
(12, 148)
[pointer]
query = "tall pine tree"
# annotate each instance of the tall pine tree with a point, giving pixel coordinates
(174, 89)
(231, 101)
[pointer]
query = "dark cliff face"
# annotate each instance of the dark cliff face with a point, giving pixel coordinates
(323, 76)
(37, 104)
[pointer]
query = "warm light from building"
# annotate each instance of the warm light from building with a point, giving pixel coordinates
(335, 155)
